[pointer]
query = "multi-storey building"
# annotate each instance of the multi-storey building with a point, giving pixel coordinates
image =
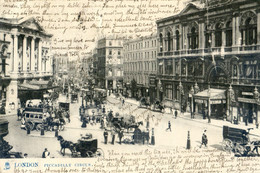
(208, 59)
(25, 55)
(140, 64)
(110, 63)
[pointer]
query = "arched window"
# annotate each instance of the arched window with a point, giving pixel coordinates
(169, 41)
(250, 32)
(218, 35)
(193, 38)
(161, 42)
(229, 34)
(177, 40)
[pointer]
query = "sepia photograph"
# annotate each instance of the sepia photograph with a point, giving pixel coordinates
(118, 86)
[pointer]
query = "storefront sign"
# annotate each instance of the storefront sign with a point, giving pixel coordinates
(246, 100)
(247, 94)
(199, 101)
(217, 101)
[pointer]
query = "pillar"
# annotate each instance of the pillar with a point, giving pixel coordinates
(234, 30)
(258, 27)
(213, 40)
(32, 54)
(201, 36)
(25, 58)
(40, 56)
(15, 54)
(11, 96)
(238, 33)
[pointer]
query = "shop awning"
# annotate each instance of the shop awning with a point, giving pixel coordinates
(27, 86)
(214, 94)
(35, 86)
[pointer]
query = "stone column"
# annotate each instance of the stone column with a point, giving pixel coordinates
(40, 56)
(233, 31)
(258, 26)
(238, 33)
(213, 40)
(223, 38)
(32, 54)
(15, 55)
(201, 36)
(24, 54)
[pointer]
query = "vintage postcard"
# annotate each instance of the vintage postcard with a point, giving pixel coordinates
(142, 86)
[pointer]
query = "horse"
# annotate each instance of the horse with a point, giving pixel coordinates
(65, 144)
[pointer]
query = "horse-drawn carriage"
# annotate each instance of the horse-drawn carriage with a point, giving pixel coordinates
(133, 133)
(36, 118)
(85, 147)
(237, 140)
(144, 102)
(157, 106)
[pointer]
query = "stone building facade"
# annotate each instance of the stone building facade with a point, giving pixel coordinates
(140, 65)
(109, 64)
(25, 56)
(208, 59)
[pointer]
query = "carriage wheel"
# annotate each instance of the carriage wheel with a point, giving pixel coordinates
(89, 154)
(99, 153)
(239, 149)
(31, 125)
(227, 145)
(38, 127)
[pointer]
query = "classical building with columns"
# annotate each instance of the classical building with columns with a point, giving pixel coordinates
(140, 66)
(208, 59)
(109, 64)
(25, 59)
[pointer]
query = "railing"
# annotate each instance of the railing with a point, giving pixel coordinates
(216, 50)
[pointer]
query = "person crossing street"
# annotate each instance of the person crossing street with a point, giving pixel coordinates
(169, 126)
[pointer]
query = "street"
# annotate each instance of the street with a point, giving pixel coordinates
(34, 144)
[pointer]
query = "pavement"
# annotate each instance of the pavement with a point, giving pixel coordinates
(198, 118)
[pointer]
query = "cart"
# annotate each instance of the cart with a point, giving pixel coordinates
(87, 147)
(157, 106)
(237, 140)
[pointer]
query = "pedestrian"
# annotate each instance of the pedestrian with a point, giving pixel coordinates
(176, 114)
(25, 155)
(204, 140)
(105, 136)
(45, 153)
(123, 102)
(120, 135)
(113, 137)
(169, 126)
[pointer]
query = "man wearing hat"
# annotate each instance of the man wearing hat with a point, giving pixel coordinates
(105, 136)
(204, 140)
(45, 153)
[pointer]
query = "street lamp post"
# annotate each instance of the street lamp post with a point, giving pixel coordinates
(192, 105)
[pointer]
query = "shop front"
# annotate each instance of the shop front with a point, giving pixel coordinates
(210, 103)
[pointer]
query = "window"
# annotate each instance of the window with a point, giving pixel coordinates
(177, 40)
(168, 67)
(168, 91)
(119, 52)
(229, 34)
(161, 42)
(110, 52)
(250, 32)
(110, 43)
(218, 36)
(193, 38)
(160, 67)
